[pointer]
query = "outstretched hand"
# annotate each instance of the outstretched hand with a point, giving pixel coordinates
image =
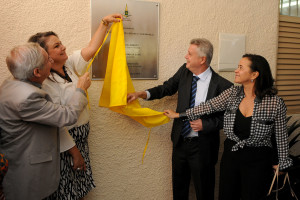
(135, 95)
(171, 114)
(131, 97)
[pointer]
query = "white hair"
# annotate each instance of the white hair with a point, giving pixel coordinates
(205, 48)
(23, 59)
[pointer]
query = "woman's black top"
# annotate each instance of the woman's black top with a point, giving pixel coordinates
(242, 125)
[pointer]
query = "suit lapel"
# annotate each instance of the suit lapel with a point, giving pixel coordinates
(187, 90)
(212, 85)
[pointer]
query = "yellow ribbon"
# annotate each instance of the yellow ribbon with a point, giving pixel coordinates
(90, 64)
(145, 149)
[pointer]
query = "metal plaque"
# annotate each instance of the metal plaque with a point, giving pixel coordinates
(141, 33)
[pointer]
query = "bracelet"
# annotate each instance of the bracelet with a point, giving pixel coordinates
(183, 116)
(104, 23)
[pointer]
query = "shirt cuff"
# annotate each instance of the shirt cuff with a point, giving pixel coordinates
(81, 90)
(285, 163)
(148, 95)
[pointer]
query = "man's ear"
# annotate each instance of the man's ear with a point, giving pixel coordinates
(204, 58)
(36, 72)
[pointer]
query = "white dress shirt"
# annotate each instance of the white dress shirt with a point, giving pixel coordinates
(201, 94)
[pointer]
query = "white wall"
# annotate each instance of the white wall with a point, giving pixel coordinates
(117, 142)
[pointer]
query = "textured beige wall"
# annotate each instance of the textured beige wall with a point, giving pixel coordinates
(116, 142)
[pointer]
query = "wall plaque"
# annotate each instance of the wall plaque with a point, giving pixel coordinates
(141, 33)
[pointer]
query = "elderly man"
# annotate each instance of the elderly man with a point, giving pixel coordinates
(195, 143)
(29, 120)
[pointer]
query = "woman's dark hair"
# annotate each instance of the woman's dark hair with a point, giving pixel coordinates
(41, 38)
(264, 83)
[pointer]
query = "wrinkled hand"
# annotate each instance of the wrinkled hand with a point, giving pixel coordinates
(196, 125)
(171, 114)
(78, 161)
(84, 82)
(113, 18)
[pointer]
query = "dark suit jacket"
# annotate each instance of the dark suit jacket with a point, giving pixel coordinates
(181, 83)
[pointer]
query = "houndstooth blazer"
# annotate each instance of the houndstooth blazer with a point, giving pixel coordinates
(269, 117)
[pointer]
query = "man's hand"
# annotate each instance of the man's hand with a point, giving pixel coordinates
(133, 96)
(196, 125)
(84, 82)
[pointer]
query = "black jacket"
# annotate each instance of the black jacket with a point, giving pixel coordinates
(181, 83)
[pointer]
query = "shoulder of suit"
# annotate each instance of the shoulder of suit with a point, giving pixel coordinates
(183, 67)
(22, 88)
(15, 92)
(221, 78)
(183, 70)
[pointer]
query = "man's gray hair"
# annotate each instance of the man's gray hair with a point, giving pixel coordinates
(23, 59)
(205, 48)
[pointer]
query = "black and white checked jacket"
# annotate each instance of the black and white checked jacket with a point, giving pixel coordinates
(269, 117)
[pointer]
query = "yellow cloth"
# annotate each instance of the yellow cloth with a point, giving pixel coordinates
(117, 84)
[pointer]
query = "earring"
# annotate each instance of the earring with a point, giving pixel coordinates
(251, 80)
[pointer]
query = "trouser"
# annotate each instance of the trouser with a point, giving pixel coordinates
(245, 174)
(194, 159)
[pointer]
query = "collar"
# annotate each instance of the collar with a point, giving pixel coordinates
(66, 77)
(34, 83)
(242, 94)
(203, 76)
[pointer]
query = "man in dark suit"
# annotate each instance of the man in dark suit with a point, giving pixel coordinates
(195, 143)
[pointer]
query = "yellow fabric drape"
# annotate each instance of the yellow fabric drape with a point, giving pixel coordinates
(117, 84)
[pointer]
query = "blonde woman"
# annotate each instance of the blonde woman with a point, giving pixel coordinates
(76, 174)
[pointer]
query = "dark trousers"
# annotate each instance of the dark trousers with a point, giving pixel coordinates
(245, 174)
(195, 159)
